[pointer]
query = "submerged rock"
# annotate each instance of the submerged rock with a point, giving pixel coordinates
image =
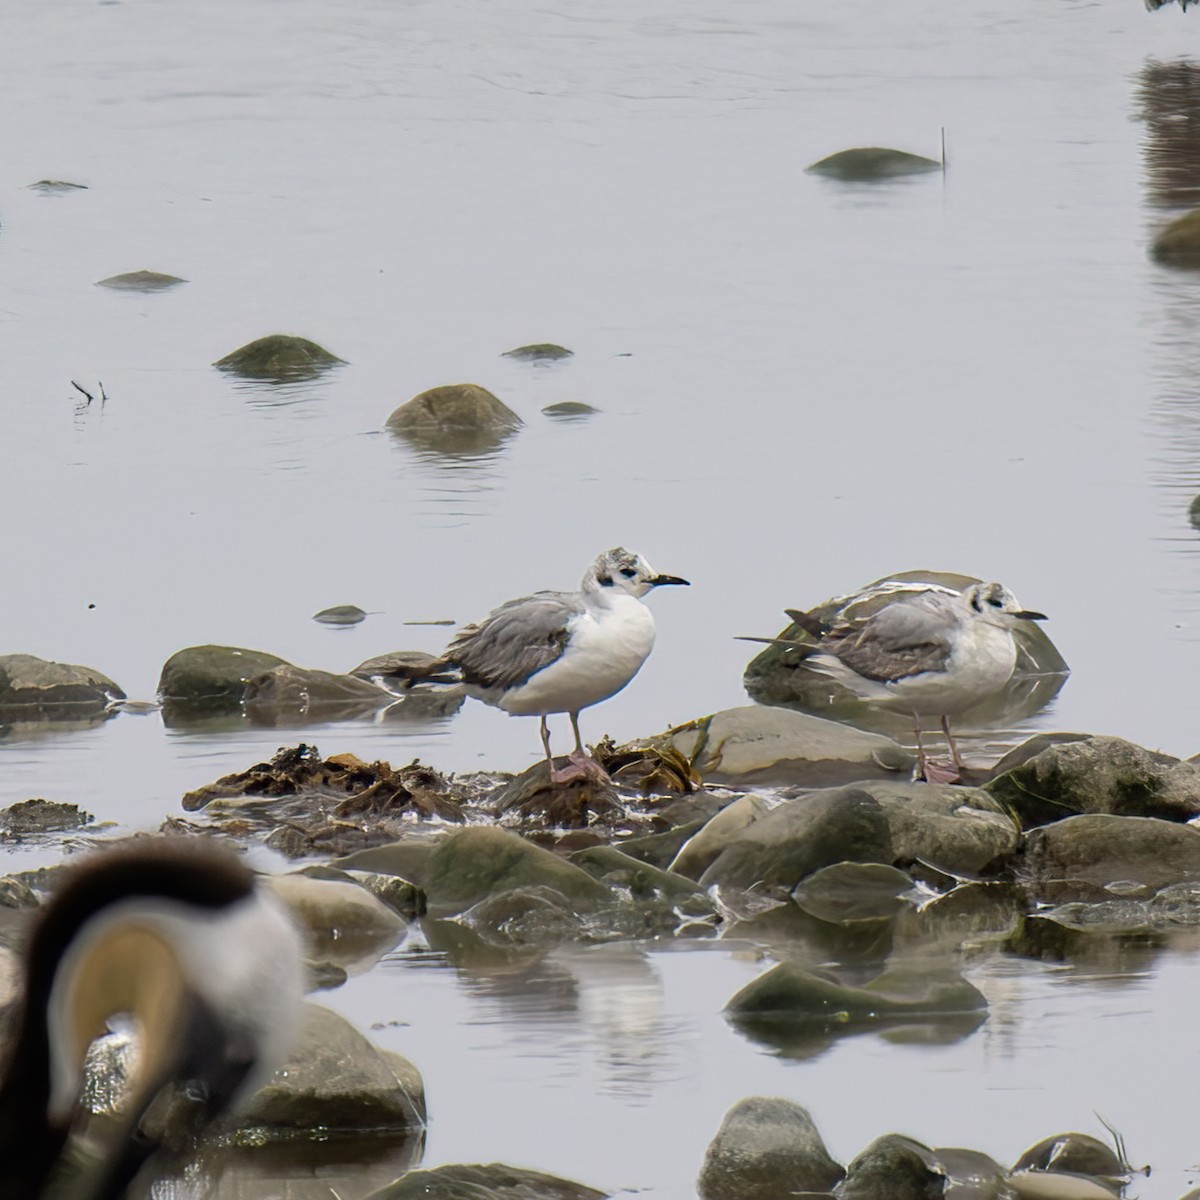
(766, 1148)
(539, 352)
(1097, 850)
(1079, 1153)
(211, 678)
(1052, 776)
(866, 163)
(848, 892)
(32, 688)
(279, 357)
(292, 695)
(472, 864)
(1178, 243)
(141, 281)
(569, 410)
(491, 1181)
(456, 419)
(341, 614)
(759, 744)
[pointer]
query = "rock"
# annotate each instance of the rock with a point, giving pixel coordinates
(471, 864)
(336, 1080)
(960, 830)
(789, 992)
(1054, 776)
(757, 744)
(1057, 1185)
(578, 803)
(406, 666)
(141, 281)
(526, 915)
(766, 1148)
(847, 892)
(781, 675)
(32, 687)
(643, 881)
(345, 924)
(212, 678)
(707, 843)
(1097, 850)
(43, 816)
(340, 614)
(409, 859)
(457, 419)
(287, 694)
(971, 1174)
(279, 358)
(569, 410)
(1075, 1152)
(894, 1168)
(1177, 244)
(492, 1181)
(398, 894)
(539, 352)
(1194, 514)
(866, 163)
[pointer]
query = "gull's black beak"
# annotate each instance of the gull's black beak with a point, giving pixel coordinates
(660, 580)
(1026, 615)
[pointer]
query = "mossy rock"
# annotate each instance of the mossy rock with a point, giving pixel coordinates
(488, 1181)
(569, 410)
(341, 614)
(539, 352)
(30, 685)
(279, 357)
(212, 676)
(1178, 244)
(457, 419)
(141, 281)
(864, 164)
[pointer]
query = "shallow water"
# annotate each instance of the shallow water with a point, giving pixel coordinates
(802, 386)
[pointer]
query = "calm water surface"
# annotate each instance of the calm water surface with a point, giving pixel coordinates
(802, 386)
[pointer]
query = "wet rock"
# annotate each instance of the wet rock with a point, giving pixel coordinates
(15, 893)
(211, 678)
(279, 358)
(789, 992)
(781, 675)
(756, 744)
(1054, 776)
(868, 163)
(569, 410)
(344, 923)
(406, 666)
(341, 614)
(408, 859)
(766, 1148)
(336, 1080)
(398, 894)
(971, 1174)
(1177, 244)
(526, 915)
(288, 695)
(491, 1181)
(661, 849)
(573, 805)
(457, 419)
(961, 830)
(539, 352)
(141, 281)
(643, 881)
(707, 843)
(42, 816)
(1075, 1152)
(1098, 850)
(471, 864)
(847, 892)
(894, 1168)
(32, 688)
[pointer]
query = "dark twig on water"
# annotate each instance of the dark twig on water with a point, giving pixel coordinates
(83, 390)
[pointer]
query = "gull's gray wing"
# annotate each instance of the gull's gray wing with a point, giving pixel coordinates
(515, 640)
(905, 638)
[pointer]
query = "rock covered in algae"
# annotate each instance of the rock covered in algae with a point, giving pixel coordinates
(484, 1181)
(455, 419)
(30, 685)
(539, 352)
(213, 675)
(866, 163)
(280, 357)
(1178, 244)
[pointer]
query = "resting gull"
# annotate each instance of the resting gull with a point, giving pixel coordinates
(933, 654)
(556, 652)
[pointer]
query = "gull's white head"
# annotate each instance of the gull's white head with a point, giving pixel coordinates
(620, 570)
(995, 604)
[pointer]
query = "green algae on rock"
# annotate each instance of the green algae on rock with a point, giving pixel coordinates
(278, 357)
(569, 410)
(539, 352)
(212, 676)
(1178, 243)
(863, 164)
(456, 419)
(31, 687)
(340, 614)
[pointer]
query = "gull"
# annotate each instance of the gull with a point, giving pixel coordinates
(555, 652)
(177, 936)
(933, 654)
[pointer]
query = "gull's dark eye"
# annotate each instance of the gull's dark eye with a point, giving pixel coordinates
(995, 603)
(629, 572)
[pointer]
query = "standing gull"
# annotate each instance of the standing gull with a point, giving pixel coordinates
(556, 652)
(935, 654)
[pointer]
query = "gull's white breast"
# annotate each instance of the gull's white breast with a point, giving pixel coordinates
(607, 644)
